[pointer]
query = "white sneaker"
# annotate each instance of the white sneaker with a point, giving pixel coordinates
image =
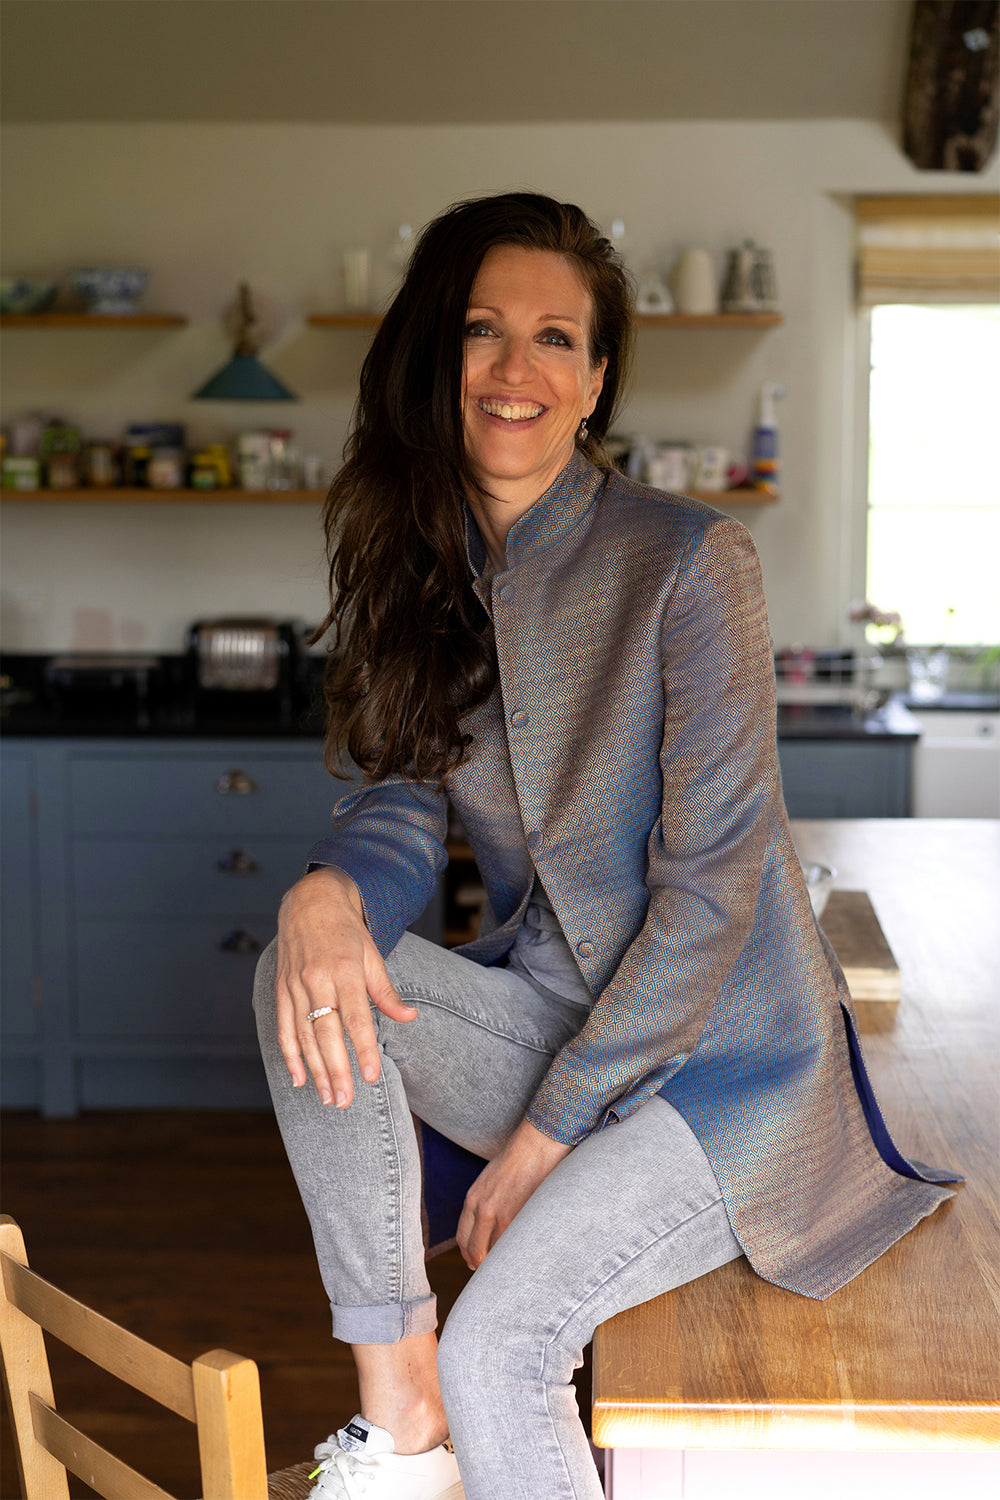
(360, 1463)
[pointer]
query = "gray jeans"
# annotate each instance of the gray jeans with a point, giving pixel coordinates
(633, 1211)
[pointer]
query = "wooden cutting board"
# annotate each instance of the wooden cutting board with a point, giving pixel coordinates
(856, 937)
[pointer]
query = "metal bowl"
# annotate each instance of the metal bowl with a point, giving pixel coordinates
(819, 884)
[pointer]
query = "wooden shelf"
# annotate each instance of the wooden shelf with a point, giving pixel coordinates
(344, 320)
(91, 320)
(643, 320)
(734, 497)
(128, 496)
(122, 495)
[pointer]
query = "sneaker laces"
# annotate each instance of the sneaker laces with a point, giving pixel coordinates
(339, 1471)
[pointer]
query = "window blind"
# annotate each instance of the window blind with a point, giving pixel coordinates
(929, 249)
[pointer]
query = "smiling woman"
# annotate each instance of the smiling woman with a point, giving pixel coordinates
(645, 1064)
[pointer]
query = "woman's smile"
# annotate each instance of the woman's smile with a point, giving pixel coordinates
(510, 411)
(528, 377)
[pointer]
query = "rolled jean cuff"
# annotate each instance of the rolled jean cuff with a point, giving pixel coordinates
(385, 1324)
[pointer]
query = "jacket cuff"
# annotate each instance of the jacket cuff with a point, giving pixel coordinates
(381, 903)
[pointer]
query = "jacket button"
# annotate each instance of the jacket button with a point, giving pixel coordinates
(519, 716)
(507, 592)
(585, 950)
(534, 839)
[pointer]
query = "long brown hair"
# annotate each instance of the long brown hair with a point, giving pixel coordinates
(412, 649)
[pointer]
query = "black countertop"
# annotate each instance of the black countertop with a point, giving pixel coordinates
(161, 703)
(23, 723)
(838, 722)
(978, 703)
(173, 708)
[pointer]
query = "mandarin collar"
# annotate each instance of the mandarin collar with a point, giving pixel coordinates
(552, 517)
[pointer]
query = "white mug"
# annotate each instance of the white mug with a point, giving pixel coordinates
(671, 467)
(713, 465)
(719, 467)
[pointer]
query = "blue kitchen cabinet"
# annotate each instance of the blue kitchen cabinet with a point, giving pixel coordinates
(141, 878)
(846, 778)
(20, 1013)
(140, 882)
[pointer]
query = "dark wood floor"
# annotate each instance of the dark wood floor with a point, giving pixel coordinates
(187, 1228)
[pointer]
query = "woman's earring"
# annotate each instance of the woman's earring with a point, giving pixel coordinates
(583, 430)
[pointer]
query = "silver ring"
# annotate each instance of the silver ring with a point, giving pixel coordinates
(324, 1010)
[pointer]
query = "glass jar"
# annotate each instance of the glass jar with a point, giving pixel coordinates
(20, 472)
(283, 462)
(165, 470)
(62, 471)
(253, 459)
(99, 465)
(136, 465)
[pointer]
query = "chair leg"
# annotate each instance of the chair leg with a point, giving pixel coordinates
(230, 1427)
(26, 1371)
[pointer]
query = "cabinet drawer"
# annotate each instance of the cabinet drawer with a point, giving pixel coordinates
(229, 792)
(184, 877)
(143, 980)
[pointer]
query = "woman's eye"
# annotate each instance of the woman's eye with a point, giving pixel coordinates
(477, 330)
(553, 336)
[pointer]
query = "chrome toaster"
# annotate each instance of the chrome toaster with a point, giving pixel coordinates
(241, 655)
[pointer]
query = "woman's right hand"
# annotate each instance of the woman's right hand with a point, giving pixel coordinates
(326, 957)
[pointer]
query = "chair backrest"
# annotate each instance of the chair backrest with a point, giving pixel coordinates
(220, 1392)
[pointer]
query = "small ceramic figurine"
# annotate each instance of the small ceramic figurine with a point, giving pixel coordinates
(654, 295)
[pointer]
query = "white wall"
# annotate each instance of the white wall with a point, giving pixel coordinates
(207, 205)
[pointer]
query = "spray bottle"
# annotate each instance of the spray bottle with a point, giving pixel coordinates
(765, 464)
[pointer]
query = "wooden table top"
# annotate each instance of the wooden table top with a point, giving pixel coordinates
(906, 1356)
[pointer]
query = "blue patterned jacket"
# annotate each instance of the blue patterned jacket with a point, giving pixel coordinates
(629, 755)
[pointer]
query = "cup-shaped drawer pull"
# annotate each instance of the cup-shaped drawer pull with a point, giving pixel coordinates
(238, 862)
(240, 941)
(236, 783)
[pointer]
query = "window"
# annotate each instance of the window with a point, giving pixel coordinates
(928, 269)
(934, 471)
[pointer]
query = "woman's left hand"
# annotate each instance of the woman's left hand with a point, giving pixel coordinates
(503, 1188)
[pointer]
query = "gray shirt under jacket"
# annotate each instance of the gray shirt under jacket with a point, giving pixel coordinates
(542, 953)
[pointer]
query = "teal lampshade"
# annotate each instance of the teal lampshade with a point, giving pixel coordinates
(244, 378)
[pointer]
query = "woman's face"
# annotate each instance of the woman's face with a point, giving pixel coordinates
(528, 380)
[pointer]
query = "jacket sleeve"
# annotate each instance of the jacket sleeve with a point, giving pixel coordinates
(721, 791)
(389, 837)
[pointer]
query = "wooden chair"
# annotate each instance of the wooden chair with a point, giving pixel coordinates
(218, 1391)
